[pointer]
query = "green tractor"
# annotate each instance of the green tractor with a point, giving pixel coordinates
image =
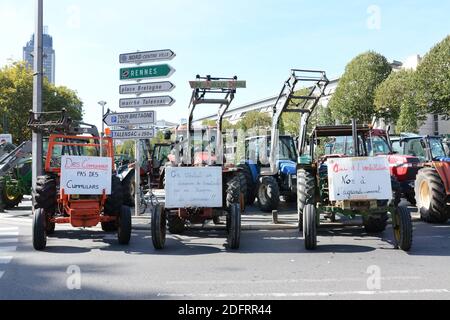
(348, 182)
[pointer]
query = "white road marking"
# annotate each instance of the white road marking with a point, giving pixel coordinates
(234, 282)
(9, 229)
(7, 249)
(9, 240)
(9, 234)
(1, 274)
(5, 260)
(301, 294)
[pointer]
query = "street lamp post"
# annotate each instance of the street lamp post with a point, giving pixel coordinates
(103, 104)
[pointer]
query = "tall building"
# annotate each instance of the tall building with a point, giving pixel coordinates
(49, 55)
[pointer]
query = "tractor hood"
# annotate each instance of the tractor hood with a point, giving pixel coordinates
(287, 167)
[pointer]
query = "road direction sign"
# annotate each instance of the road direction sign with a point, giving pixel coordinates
(133, 134)
(146, 72)
(147, 56)
(131, 118)
(163, 101)
(232, 84)
(152, 87)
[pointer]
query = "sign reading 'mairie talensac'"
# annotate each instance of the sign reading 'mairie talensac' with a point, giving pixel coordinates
(133, 134)
(147, 56)
(146, 72)
(163, 101)
(86, 175)
(359, 179)
(193, 187)
(153, 87)
(130, 118)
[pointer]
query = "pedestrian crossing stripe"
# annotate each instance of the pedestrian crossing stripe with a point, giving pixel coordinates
(5, 260)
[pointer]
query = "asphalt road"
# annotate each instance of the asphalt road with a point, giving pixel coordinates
(271, 264)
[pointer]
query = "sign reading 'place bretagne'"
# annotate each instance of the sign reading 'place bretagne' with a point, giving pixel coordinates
(147, 56)
(153, 87)
(163, 101)
(146, 72)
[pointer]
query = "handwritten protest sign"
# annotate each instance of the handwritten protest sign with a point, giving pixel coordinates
(359, 179)
(86, 175)
(194, 187)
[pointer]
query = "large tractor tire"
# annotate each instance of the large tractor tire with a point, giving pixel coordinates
(243, 191)
(431, 197)
(268, 194)
(233, 207)
(375, 223)
(45, 193)
(11, 196)
(310, 227)
(39, 234)
(403, 229)
(129, 189)
(176, 224)
(306, 188)
(250, 185)
(124, 225)
(113, 205)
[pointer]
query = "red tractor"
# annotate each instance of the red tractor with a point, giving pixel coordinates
(52, 202)
(199, 186)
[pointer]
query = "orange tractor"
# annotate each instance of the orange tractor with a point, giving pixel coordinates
(54, 204)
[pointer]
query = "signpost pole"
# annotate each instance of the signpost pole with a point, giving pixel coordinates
(37, 156)
(137, 174)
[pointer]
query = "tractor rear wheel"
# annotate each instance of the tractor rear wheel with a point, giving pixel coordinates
(403, 229)
(129, 189)
(375, 223)
(431, 197)
(113, 205)
(306, 186)
(310, 227)
(39, 230)
(176, 224)
(158, 227)
(234, 227)
(124, 225)
(45, 193)
(250, 193)
(268, 194)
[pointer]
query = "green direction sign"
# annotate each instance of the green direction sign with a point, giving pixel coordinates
(146, 72)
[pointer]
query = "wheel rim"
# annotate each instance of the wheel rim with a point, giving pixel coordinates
(10, 194)
(263, 193)
(425, 195)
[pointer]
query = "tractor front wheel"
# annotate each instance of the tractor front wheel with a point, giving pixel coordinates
(234, 227)
(268, 194)
(306, 187)
(403, 229)
(431, 197)
(45, 195)
(310, 227)
(39, 230)
(159, 225)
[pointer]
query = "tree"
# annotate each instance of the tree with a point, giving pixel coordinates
(226, 125)
(354, 96)
(396, 99)
(433, 75)
(255, 120)
(16, 100)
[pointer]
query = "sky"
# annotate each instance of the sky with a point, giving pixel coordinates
(257, 40)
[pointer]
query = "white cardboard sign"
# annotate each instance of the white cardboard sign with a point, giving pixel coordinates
(86, 175)
(359, 179)
(194, 187)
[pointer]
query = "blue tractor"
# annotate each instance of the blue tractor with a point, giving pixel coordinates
(268, 189)
(270, 164)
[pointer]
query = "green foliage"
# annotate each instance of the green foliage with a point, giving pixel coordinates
(16, 99)
(433, 76)
(396, 100)
(254, 120)
(225, 124)
(126, 148)
(354, 96)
